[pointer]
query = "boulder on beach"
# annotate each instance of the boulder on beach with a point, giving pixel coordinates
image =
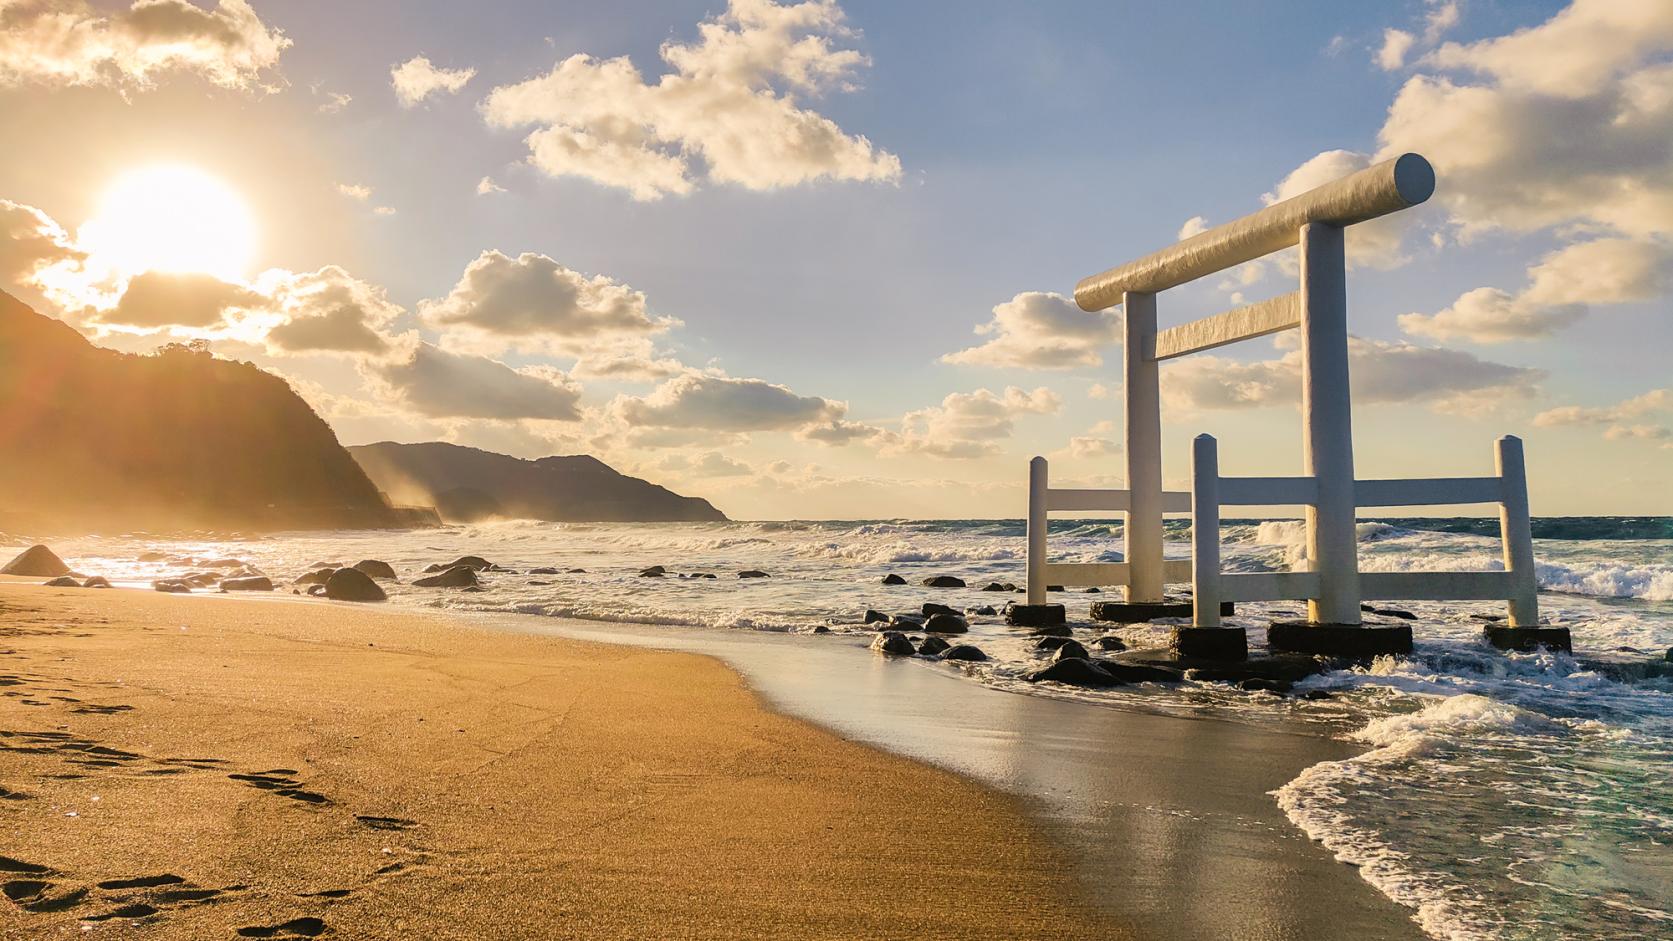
(316, 577)
(1070, 650)
(931, 607)
(375, 568)
(353, 585)
(62, 581)
(544, 570)
(932, 646)
(325, 565)
(893, 642)
(1110, 642)
(171, 585)
(250, 583)
(1050, 643)
(875, 617)
(964, 652)
(475, 562)
(461, 576)
(96, 581)
(946, 624)
(994, 586)
(943, 581)
(753, 573)
(36, 562)
(153, 557)
(655, 571)
(893, 579)
(1074, 672)
(318, 591)
(986, 610)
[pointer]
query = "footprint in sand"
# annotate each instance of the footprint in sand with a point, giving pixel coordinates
(386, 823)
(281, 782)
(295, 928)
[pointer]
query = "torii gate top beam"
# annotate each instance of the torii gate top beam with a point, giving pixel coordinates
(1388, 187)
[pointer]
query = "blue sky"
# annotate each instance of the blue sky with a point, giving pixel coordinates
(1036, 143)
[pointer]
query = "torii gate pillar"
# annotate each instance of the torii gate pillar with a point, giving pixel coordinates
(1142, 530)
(1327, 420)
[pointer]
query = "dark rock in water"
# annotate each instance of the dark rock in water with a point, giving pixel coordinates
(1527, 639)
(1341, 640)
(1054, 630)
(907, 622)
(1669, 657)
(893, 579)
(655, 571)
(228, 563)
(1488, 617)
(893, 642)
(496, 567)
(1011, 587)
(36, 562)
(318, 591)
(353, 585)
(325, 565)
(1110, 642)
(375, 568)
(1258, 685)
(316, 577)
(473, 561)
(986, 610)
(1135, 612)
(1093, 591)
(1209, 643)
(931, 607)
(1317, 694)
(1050, 642)
(994, 586)
(943, 581)
(1035, 615)
(821, 629)
(252, 583)
(1395, 613)
(462, 576)
(544, 570)
(62, 581)
(964, 652)
(97, 581)
(1141, 673)
(433, 567)
(932, 646)
(1054, 588)
(753, 573)
(875, 617)
(539, 584)
(173, 586)
(153, 556)
(577, 572)
(704, 575)
(1070, 650)
(201, 579)
(1074, 673)
(946, 624)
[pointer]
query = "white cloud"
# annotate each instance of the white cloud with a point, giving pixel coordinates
(1100, 391)
(1396, 43)
(383, 210)
(971, 424)
(355, 191)
(731, 100)
(486, 186)
(533, 302)
(1196, 225)
(335, 102)
(1381, 371)
(158, 299)
(1083, 447)
(417, 79)
(708, 464)
(441, 384)
(722, 403)
(838, 432)
(30, 241)
(1621, 420)
(1039, 330)
(1560, 290)
(1580, 51)
(69, 42)
(327, 310)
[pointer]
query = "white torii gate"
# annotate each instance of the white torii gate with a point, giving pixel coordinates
(1327, 488)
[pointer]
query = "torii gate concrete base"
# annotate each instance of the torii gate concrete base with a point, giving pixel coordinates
(1354, 641)
(1527, 639)
(1035, 615)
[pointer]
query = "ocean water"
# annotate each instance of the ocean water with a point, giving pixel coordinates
(1503, 796)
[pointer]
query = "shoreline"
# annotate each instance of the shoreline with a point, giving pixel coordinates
(1157, 848)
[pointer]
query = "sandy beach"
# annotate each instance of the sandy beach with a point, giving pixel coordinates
(221, 767)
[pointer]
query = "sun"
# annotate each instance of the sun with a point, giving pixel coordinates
(171, 218)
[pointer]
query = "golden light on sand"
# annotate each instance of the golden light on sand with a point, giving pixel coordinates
(173, 218)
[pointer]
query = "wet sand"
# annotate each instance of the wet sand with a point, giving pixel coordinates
(214, 766)
(1169, 818)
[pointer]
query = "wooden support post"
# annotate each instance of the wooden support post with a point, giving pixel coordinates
(1142, 531)
(1516, 532)
(1327, 438)
(1037, 521)
(1205, 531)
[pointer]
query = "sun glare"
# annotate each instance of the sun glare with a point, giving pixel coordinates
(170, 218)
